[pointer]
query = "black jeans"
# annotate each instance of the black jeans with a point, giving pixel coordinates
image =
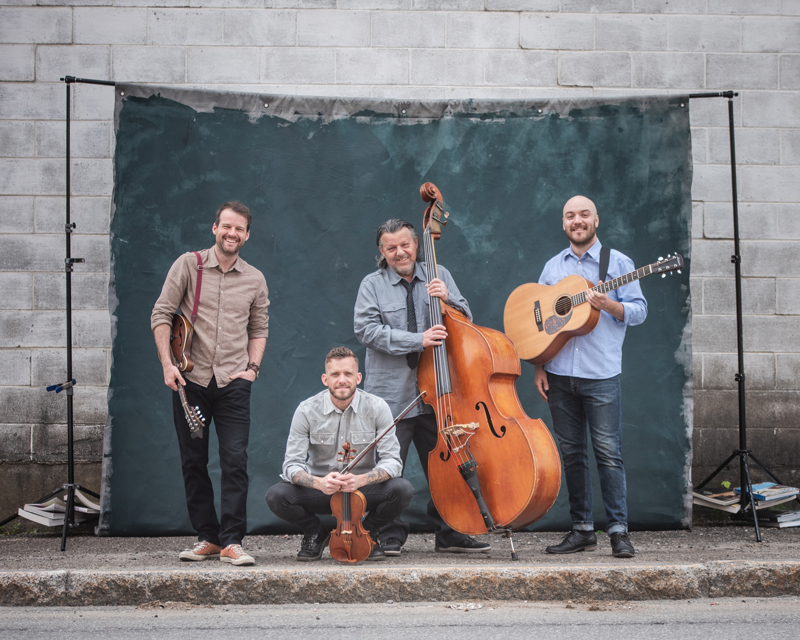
(422, 431)
(229, 407)
(300, 505)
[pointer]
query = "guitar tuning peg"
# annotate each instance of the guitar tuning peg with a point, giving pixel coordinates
(679, 271)
(663, 275)
(660, 258)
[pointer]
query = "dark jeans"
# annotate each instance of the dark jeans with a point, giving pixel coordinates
(575, 404)
(230, 409)
(422, 431)
(300, 505)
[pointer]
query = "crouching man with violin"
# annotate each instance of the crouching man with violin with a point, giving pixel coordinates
(326, 430)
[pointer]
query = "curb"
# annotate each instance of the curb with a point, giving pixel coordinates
(358, 585)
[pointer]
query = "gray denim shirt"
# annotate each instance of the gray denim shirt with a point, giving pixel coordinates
(380, 321)
(319, 430)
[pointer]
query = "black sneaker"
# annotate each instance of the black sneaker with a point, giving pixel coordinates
(467, 545)
(391, 546)
(313, 545)
(377, 549)
(621, 546)
(575, 541)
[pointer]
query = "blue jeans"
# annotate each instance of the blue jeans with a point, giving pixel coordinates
(575, 404)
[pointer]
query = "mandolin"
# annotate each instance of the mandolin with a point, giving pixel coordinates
(180, 342)
(541, 319)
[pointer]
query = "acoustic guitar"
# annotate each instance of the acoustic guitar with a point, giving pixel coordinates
(540, 319)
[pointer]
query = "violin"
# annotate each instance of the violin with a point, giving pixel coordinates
(350, 542)
(493, 469)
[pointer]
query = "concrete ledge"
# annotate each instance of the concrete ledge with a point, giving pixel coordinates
(367, 584)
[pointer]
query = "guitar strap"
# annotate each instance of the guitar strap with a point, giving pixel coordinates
(605, 254)
(199, 285)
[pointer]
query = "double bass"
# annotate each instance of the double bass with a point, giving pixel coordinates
(494, 469)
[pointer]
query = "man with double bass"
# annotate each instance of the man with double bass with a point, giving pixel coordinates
(229, 338)
(321, 427)
(582, 384)
(392, 321)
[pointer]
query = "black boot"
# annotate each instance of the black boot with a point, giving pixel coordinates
(377, 549)
(313, 545)
(575, 541)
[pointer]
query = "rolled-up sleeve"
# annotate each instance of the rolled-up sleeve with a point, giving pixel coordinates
(172, 294)
(389, 446)
(296, 446)
(454, 297)
(258, 324)
(632, 298)
(371, 330)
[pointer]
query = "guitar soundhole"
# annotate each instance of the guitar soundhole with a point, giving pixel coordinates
(563, 306)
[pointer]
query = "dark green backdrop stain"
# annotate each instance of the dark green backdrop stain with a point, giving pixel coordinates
(318, 191)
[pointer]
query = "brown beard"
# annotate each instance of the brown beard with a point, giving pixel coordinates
(589, 239)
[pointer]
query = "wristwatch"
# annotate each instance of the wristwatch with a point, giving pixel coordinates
(253, 367)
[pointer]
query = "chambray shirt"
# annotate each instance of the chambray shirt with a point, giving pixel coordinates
(319, 429)
(597, 355)
(380, 324)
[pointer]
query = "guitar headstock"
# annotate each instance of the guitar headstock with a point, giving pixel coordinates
(668, 264)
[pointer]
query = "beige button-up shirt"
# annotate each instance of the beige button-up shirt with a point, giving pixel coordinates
(233, 311)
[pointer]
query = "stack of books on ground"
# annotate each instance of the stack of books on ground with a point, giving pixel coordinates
(778, 518)
(51, 512)
(766, 494)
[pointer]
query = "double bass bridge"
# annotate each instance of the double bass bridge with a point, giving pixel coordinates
(458, 430)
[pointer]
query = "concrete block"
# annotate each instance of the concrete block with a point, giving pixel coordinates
(775, 447)
(186, 26)
(714, 112)
(409, 93)
(668, 6)
(764, 258)
(773, 35)
(84, 61)
(298, 64)
(711, 183)
(15, 443)
(483, 30)
(704, 33)
(790, 147)
(92, 177)
(15, 293)
(35, 25)
(222, 64)
(15, 364)
(87, 139)
(260, 28)
(333, 29)
(227, 4)
(91, 329)
(699, 145)
(788, 297)
(447, 67)
(90, 215)
(669, 70)
(790, 72)
(697, 220)
(32, 253)
(743, 71)
(610, 69)
(480, 93)
(789, 221)
(89, 291)
(32, 101)
(529, 68)
(775, 184)
(756, 221)
(790, 8)
(16, 215)
(16, 139)
(713, 334)
(408, 29)
(89, 367)
(31, 405)
(719, 295)
(753, 146)
(711, 258)
(300, 4)
(149, 64)
(773, 410)
(597, 6)
(788, 370)
(448, 5)
(17, 63)
(522, 5)
(372, 66)
(630, 33)
(744, 7)
(31, 176)
(556, 31)
(719, 370)
(775, 334)
(94, 102)
(95, 249)
(380, 5)
(110, 25)
(49, 443)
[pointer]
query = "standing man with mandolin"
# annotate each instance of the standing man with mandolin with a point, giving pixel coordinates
(228, 297)
(582, 383)
(392, 320)
(336, 418)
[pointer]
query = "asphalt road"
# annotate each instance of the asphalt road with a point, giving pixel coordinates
(729, 618)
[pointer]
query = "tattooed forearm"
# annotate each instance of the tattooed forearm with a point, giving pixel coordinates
(376, 476)
(304, 479)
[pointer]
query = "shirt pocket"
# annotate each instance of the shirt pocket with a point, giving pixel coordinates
(322, 438)
(395, 315)
(361, 437)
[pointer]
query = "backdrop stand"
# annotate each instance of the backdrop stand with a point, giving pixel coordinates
(67, 387)
(743, 453)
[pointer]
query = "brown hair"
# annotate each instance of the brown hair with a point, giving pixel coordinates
(338, 353)
(236, 207)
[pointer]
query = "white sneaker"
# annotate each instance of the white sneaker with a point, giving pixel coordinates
(234, 554)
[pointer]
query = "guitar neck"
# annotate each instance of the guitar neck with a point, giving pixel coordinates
(616, 283)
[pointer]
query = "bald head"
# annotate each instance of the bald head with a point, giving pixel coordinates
(580, 222)
(579, 203)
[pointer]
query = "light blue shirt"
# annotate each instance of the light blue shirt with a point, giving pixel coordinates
(597, 355)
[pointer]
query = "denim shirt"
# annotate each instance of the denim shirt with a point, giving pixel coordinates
(319, 429)
(380, 321)
(597, 355)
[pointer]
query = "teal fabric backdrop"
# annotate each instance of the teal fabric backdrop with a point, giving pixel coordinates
(320, 176)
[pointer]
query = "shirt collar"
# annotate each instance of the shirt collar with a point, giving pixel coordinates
(329, 407)
(419, 273)
(213, 262)
(593, 252)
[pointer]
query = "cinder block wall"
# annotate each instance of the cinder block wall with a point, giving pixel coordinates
(395, 48)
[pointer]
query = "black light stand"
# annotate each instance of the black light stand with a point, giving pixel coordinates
(67, 387)
(743, 453)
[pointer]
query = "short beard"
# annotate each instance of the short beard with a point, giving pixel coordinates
(588, 241)
(224, 251)
(350, 394)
